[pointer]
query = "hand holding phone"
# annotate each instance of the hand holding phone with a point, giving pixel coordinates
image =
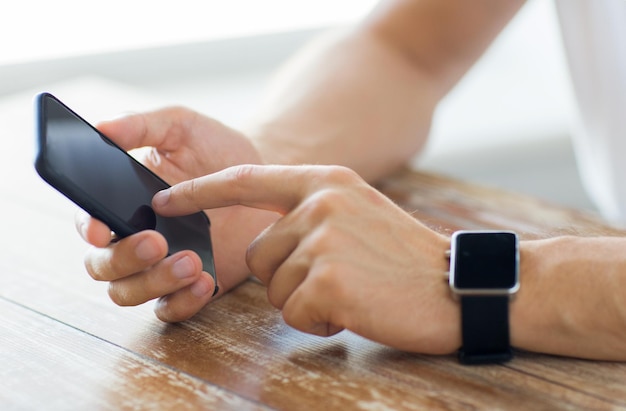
(101, 178)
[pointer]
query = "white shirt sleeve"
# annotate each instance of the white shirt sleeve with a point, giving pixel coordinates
(594, 35)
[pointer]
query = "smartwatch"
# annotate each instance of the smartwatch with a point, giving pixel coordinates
(484, 275)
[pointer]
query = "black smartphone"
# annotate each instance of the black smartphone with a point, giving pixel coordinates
(101, 178)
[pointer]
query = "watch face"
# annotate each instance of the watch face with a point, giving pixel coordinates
(484, 261)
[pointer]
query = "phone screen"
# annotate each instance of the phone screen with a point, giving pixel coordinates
(108, 183)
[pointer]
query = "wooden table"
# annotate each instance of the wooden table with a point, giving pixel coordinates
(65, 346)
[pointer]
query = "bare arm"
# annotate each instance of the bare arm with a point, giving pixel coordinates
(362, 98)
(365, 98)
(342, 256)
(571, 299)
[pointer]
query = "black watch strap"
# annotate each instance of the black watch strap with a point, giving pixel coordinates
(485, 328)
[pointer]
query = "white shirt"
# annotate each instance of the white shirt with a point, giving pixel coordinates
(594, 34)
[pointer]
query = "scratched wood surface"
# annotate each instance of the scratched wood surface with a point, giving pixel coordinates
(64, 345)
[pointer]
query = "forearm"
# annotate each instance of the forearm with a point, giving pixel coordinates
(365, 98)
(572, 299)
(349, 100)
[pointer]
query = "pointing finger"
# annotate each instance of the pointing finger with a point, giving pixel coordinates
(273, 188)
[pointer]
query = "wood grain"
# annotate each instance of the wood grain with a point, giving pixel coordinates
(65, 345)
(241, 345)
(48, 365)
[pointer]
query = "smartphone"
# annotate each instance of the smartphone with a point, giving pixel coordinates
(108, 183)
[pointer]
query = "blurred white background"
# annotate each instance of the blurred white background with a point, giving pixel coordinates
(506, 124)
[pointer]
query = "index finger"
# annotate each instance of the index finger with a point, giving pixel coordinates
(268, 187)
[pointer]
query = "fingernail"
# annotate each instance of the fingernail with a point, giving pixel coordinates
(146, 250)
(183, 268)
(200, 288)
(161, 198)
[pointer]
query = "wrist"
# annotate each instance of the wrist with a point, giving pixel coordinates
(539, 314)
(484, 275)
(440, 332)
(526, 320)
(570, 298)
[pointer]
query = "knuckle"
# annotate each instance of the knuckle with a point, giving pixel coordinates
(183, 114)
(261, 269)
(119, 295)
(291, 318)
(168, 311)
(179, 119)
(178, 110)
(89, 267)
(341, 175)
(274, 298)
(321, 239)
(254, 263)
(186, 190)
(321, 204)
(167, 316)
(239, 178)
(326, 280)
(95, 267)
(191, 192)
(117, 267)
(241, 174)
(163, 310)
